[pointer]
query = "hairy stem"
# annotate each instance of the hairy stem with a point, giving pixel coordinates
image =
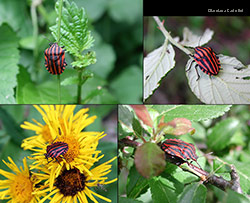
(59, 19)
(79, 87)
(59, 88)
(58, 37)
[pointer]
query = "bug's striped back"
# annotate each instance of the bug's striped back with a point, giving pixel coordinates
(180, 149)
(56, 149)
(55, 59)
(207, 60)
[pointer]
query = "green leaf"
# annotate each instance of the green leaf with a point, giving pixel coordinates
(128, 86)
(17, 14)
(118, 10)
(70, 81)
(221, 133)
(13, 150)
(232, 197)
(75, 80)
(94, 9)
(162, 190)
(136, 184)
(9, 57)
(44, 93)
(100, 92)
(75, 32)
(128, 200)
(23, 78)
(195, 193)
(220, 167)
(92, 95)
(106, 60)
(149, 160)
(128, 122)
(243, 171)
(85, 60)
(12, 128)
(191, 112)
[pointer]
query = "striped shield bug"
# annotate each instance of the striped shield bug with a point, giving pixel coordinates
(55, 59)
(181, 149)
(56, 149)
(207, 61)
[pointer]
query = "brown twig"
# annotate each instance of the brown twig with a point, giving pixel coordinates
(127, 142)
(207, 178)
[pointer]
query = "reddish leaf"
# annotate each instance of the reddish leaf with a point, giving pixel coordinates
(178, 126)
(142, 113)
(149, 160)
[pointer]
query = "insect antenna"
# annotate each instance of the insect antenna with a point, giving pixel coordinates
(50, 43)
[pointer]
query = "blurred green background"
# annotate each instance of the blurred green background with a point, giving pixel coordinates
(116, 26)
(231, 37)
(11, 136)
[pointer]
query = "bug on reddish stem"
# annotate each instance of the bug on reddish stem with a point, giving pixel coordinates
(179, 148)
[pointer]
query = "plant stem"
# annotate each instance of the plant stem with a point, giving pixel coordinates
(79, 87)
(206, 177)
(59, 88)
(35, 34)
(59, 19)
(168, 36)
(58, 37)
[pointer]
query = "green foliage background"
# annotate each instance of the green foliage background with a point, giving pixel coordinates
(116, 27)
(221, 129)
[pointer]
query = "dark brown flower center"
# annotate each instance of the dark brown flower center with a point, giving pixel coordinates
(70, 182)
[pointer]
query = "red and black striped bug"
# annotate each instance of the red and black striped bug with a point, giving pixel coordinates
(207, 61)
(179, 148)
(56, 149)
(55, 59)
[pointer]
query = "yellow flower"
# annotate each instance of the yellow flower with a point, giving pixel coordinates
(72, 165)
(54, 116)
(20, 186)
(74, 186)
(63, 126)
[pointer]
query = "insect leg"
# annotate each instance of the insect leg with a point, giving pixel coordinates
(197, 72)
(190, 66)
(198, 164)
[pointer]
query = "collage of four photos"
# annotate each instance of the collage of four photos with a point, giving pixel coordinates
(103, 102)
